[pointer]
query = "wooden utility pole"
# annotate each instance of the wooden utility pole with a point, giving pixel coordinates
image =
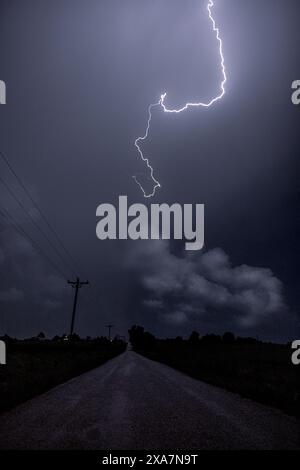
(76, 285)
(109, 328)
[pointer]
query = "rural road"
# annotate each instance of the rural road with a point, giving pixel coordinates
(134, 403)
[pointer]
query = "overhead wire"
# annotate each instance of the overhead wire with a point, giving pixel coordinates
(13, 222)
(32, 220)
(74, 263)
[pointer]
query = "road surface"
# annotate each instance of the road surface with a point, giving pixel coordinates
(134, 403)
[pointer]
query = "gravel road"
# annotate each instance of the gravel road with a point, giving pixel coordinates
(134, 403)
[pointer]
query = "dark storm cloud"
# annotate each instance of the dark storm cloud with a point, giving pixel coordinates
(182, 287)
(30, 292)
(80, 75)
(11, 295)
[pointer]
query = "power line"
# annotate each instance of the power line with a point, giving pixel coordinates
(29, 216)
(42, 214)
(12, 221)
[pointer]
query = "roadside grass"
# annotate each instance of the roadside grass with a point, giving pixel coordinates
(34, 367)
(262, 372)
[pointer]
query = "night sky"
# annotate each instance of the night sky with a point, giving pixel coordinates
(80, 76)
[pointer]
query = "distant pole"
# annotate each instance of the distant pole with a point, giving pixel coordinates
(109, 328)
(76, 285)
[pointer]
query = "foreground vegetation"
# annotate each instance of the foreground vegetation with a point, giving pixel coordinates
(34, 366)
(260, 371)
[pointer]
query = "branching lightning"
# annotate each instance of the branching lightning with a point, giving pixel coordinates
(161, 103)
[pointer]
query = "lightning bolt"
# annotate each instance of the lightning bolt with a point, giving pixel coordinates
(161, 104)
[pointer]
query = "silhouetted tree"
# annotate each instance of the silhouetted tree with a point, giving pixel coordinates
(228, 337)
(179, 339)
(8, 340)
(140, 339)
(211, 339)
(194, 338)
(135, 336)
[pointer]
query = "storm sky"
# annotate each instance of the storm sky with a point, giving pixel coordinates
(80, 76)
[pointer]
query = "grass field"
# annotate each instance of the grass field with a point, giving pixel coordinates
(260, 371)
(34, 367)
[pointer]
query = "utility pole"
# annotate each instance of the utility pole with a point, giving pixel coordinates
(109, 328)
(76, 285)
